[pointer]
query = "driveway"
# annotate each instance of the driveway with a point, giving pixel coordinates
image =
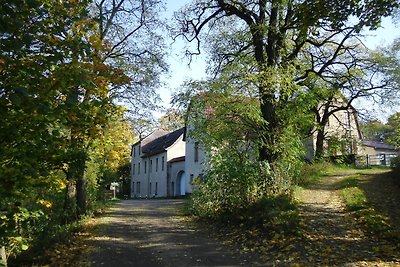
(153, 233)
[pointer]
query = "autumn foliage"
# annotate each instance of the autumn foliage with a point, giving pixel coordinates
(56, 109)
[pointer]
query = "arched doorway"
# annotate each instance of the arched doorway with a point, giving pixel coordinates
(181, 183)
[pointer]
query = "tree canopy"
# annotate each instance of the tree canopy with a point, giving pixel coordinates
(274, 36)
(62, 135)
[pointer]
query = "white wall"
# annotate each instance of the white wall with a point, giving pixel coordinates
(138, 177)
(193, 168)
(153, 180)
(177, 149)
(342, 124)
(155, 176)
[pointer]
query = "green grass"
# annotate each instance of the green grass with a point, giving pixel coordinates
(356, 201)
(350, 181)
(354, 198)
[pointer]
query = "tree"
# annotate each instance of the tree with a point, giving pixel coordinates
(110, 156)
(131, 30)
(54, 102)
(142, 126)
(374, 130)
(359, 76)
(274, 35)
(392, 135)
(171, 121)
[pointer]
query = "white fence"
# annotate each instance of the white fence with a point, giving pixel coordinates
(375, 160)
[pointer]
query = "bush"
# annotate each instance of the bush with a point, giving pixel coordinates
(395, 165)
(311, 173)
(230, 185)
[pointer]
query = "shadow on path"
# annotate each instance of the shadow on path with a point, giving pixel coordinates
(332, 236)
(151, 233)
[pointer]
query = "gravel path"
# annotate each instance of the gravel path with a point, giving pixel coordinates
(151, 233)
(332, 236)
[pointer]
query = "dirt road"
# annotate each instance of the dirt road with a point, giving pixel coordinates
(154, 233)
(150, 233)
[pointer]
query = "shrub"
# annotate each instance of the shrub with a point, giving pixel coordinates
(311, 173)
(354, 198)
(395, 165)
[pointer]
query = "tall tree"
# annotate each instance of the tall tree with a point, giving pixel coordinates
(359, 76)
(54, 92)
(275, 34)
(392, 135)
(131, 29)
(54, 97)
(374, 130)
(171, 121)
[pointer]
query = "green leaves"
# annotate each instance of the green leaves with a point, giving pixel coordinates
(54, 104)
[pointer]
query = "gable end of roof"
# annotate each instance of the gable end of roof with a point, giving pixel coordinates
(160, 144)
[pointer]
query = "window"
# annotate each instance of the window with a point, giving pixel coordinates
(156, 189)
(138, 168)
(134, 151)
(137, 187)
(139, 151)
(145, 166)
(133, 169)
(196, 152)
(149, 189)
(156, 164)
(162, 163)
(133, 187)
(151, 166)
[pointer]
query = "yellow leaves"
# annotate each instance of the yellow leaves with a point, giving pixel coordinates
(45, 203)
(96, 42)
(62, 185)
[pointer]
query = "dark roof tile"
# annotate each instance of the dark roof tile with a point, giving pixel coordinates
(378, 145)
(160, 144)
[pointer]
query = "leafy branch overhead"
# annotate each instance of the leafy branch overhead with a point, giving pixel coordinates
(62, 136)
(130, 29)
(264, 39)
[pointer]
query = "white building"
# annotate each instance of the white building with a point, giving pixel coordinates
(158, 165)
(342, 135)
(194, 161)
(377, 153)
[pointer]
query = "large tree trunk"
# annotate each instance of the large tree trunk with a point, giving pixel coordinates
(81, 194)
(3, 255)
(268, 86)
(271, 133)
(67, 201)
(77, 172)
(319, 145)
(77, 166)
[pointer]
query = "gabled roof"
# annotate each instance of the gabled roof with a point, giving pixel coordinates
(161, 143)
(148, 138)
(378, 145)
